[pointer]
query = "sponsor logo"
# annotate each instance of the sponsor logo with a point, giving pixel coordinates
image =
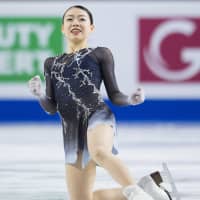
(25, 42)
(169, 49)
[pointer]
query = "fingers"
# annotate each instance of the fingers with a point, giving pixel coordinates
(139, 93)
(34, 85)
(138, 97)
(35, 78)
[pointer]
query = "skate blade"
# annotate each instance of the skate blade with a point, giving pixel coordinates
(169, 183)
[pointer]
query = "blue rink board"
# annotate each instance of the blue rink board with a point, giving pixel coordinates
(155, 110)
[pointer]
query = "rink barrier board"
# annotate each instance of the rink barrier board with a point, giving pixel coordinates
(152, 110)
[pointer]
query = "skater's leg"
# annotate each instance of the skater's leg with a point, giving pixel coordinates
(80, 181)
(100, 142)
(109, 194)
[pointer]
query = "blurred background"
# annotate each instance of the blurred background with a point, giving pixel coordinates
(156, 45)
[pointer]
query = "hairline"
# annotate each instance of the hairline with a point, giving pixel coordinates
(89, 14)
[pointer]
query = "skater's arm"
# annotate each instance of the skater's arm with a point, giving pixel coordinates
(47, 100)
(47, 104)
(105, 58)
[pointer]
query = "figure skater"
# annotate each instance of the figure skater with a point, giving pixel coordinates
(73, 82)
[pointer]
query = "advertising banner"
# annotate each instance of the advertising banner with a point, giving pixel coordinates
(155, 45)
(169, 50)
(24, 43)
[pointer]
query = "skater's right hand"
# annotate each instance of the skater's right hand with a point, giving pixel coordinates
(137, 97)
(35, 85)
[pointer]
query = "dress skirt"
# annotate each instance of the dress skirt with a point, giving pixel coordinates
(75, 134)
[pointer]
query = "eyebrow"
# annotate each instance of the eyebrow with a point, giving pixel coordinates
(78, 16)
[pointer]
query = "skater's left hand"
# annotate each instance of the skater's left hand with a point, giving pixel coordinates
(137, 97)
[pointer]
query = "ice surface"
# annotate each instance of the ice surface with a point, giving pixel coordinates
(32, 158)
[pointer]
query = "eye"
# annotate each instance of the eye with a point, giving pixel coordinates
(69, 19)
(82, 19)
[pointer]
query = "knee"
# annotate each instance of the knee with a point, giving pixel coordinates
(97, 195)
(82, 196)
(86, 197)
(99, 154)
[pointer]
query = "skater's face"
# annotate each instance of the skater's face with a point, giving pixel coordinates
(77, 25)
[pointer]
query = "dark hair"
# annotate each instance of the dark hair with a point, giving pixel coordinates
(82, 8)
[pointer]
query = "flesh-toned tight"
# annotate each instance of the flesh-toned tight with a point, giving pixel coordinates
(80, 181)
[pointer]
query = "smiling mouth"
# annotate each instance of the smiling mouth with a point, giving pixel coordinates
(75, 31)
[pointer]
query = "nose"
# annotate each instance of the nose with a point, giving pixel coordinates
(75, 23)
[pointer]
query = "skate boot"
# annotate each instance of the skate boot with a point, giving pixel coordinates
(134, 192)
(164, 182)
(150, 187)
(156, 176)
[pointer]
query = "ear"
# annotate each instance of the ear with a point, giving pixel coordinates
(62, 29)
(92, 27)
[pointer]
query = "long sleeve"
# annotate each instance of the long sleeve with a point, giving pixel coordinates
(106, 60)
(47, 101)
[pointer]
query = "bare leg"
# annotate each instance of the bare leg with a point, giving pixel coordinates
(109, 194)
(80, 181)
(100, 141)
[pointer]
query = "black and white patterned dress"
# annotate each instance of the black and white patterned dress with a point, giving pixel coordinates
(73, 89)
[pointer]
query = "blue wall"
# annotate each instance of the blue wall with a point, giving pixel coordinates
(154, 110)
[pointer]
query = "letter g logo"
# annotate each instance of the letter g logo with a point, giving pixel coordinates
(190, 53)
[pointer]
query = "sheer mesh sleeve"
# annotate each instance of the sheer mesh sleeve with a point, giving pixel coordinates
(47, 101)
(106, 61)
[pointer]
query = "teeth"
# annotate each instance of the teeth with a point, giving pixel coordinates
(75, 30)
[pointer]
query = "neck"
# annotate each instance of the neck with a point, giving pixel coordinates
(73, 47)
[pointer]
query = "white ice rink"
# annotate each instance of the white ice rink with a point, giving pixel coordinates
(32, 158)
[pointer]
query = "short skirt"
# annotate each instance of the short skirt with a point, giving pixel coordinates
(75, 134)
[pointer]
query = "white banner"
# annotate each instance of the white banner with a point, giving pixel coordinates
(155, 45)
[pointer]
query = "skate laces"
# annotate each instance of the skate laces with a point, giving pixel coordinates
(166, 186)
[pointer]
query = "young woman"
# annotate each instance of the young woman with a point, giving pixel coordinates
(73, 82)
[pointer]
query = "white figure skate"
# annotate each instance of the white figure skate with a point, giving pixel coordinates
(165, 181)
(149, 186)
